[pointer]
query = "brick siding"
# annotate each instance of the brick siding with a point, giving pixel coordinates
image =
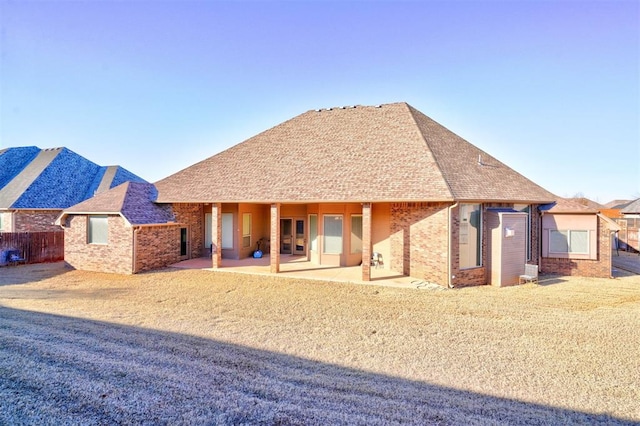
(115, 256)
(192, 215)
(599, 267)
(419, 240)
(157, 246)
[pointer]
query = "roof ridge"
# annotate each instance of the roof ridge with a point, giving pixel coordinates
(426, 143)
(27, 176)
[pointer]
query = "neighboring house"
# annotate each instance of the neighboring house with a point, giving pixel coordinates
(122, 231)
(631, 210)
(576, 240)
(586, 202)
(37, 184)
(336, 185)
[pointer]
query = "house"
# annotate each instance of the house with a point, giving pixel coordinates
(631, 210)
(122, 231)
(338, 184)
(629, 221)
(37, 184)
(576, 239)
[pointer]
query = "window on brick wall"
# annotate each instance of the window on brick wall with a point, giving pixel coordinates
(525, 208)
(470, 235)
(98, 230)
(570, 241)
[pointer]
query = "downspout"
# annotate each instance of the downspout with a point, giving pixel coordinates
(135, 248)
(449, 256)
(540, 239)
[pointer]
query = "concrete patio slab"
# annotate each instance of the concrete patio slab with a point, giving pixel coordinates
(300, 267)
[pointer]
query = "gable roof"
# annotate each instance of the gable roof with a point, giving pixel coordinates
(617, 204)
(132, 200)
(565, 205)
(390, 152)
(587, 202)
(632, 207)
(53, 178)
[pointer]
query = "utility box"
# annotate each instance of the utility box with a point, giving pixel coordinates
(507, 246)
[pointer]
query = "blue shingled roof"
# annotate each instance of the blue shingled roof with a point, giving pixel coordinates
(67, 180)
(124, 175)
(13, 160)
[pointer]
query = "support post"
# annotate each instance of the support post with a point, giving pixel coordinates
(274, 254)
(366, 242)
(216, 235)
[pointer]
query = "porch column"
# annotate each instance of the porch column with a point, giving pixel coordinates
(366, 242)
(274, 254)
(216, 235)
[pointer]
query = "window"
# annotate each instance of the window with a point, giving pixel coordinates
(356, 233)
(568, 241)
(332, 234)
(525, 208)
(246, 230)
(227, 230)
(313, 231)
(470, 235)
(98, 230)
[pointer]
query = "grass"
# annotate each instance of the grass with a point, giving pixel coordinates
(186, 346)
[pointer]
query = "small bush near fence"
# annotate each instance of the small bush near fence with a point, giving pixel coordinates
(35, 247)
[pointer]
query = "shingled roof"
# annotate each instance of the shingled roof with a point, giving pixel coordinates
(54, 178)
(391, 152)
(565, 205)
(132, 200)
(632, 208)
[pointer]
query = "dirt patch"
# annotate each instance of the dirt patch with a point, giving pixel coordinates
(188, 345)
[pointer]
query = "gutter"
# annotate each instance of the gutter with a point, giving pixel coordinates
(449, 256)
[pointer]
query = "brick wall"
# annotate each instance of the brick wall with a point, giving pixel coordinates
(36, 220)
(599, 268)
(419, 240)
(115, 256)
(471, 276)
(192, 215)
(157, 246)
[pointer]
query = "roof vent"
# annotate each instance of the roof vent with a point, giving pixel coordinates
(328, 109)
(378, 106)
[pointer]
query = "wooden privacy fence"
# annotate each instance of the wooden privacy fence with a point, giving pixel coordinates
(35, 247)
(628, 236)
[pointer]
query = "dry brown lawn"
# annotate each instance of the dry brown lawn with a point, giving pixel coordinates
(202, 347)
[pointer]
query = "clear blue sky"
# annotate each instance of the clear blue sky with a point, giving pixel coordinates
(552, 88)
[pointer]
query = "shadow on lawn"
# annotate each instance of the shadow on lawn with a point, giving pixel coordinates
(23, 274)
(67, 370)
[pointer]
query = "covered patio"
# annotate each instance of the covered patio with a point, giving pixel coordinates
(300, 267)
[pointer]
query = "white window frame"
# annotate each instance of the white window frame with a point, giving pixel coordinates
(567, 233)
(356, 240)
(246, 230)
(331, 241)
(98, 230)
(313, 232)
(227, 230)
(464, 235)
